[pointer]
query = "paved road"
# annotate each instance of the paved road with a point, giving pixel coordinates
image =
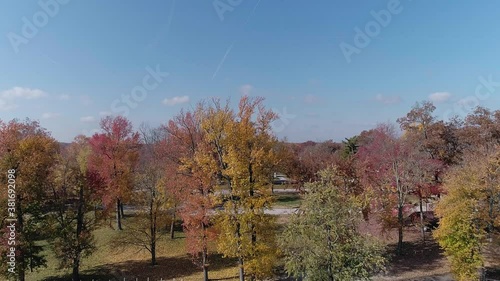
(445, 277)
(285, 190)
(281, 211)
(274, 211)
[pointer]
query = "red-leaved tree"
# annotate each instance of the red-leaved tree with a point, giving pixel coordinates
(393, 169)
(115, 155)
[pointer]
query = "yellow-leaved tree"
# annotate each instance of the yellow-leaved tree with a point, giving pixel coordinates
(470, 212)
(244, 145)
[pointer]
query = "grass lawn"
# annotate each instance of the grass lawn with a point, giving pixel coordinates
(287, 200)
(112, 263)
(420, 259)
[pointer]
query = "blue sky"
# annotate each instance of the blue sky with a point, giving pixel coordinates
(72, 62)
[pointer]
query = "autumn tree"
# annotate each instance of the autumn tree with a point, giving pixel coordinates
(195, 182)
(250, 159)
(183, 137)
(76, 191)
(418, 121)
(115, 156)
(288, 162)
(439, 139)
(380, 164)
(31, 153)
(445, 141)
(321, 241)
(311, 157)
(419, 137)
(197, 210)
(243, 146)
(149, 195)
(317, 157)
(390, 167)
(481, 128)
(469, 212)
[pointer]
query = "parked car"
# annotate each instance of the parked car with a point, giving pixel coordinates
(281, 180)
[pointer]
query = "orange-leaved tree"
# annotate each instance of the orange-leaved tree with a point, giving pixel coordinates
(193, 182)
(28, 155)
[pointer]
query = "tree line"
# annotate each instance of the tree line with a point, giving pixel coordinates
(212, 168)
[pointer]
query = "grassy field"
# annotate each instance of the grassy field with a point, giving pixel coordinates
(115, 263)
(112, 263)
(420, 260)
(287, 200)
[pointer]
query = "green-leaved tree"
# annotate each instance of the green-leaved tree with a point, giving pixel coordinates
(322, 242)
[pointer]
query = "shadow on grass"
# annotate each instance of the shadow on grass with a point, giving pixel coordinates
(83, 277)
(492, 273)
(417, 255)
(167, 268)
(287, 198)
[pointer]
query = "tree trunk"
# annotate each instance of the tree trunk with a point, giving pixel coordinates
(254, 242)
(491, 219)
(121, 210)
(252, 227)
(22, 273)
(172, 226)
(75, 276)
(118, 215)
(205, 266)
(20, 220)
(79, 229)
(422, 225)
(153, 253)
(400, 230)
(242, 270)
(240, 258)
(152, 229)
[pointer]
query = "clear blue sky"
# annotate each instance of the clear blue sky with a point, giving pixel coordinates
(85, 55)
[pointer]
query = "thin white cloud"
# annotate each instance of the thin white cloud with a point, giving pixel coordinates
(50, 115)
(387, 99)
(176, 100)
(87, 119)
(439, 97)
(105, 113)
(8, 97)
(22, 93)
(64, 97)
(246, 89)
